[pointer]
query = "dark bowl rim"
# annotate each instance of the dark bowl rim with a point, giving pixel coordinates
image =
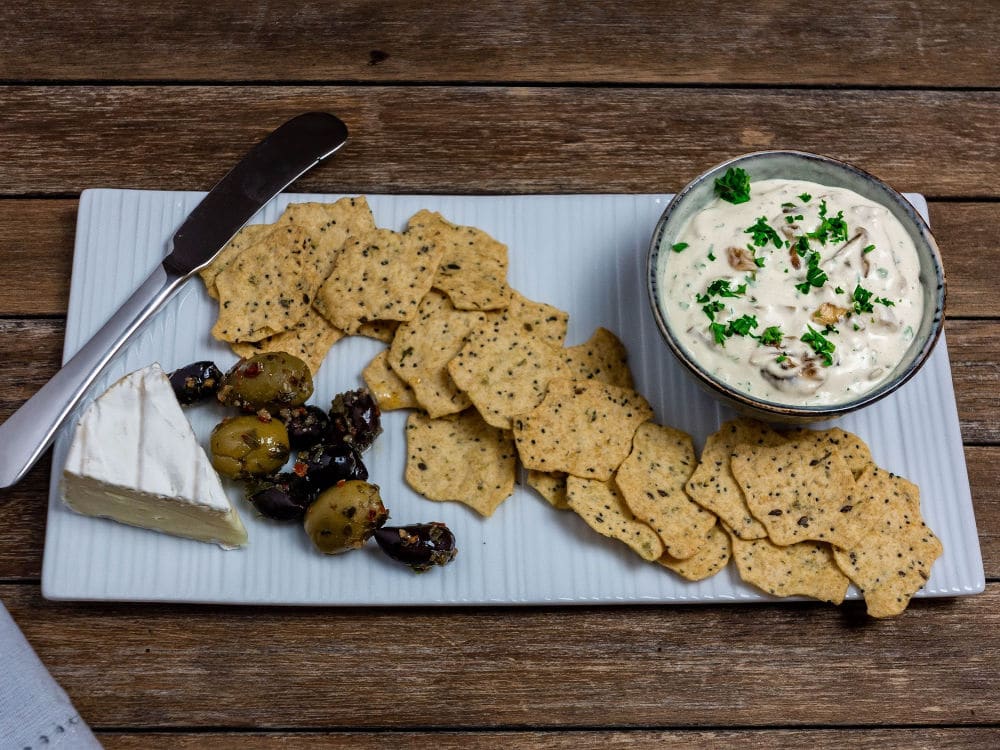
(774, 408)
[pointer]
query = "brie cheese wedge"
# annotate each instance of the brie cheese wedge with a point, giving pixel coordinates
(135, 459)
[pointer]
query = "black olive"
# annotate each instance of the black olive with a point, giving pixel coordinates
(196, 381)
(306, 425)
(282, 497)
(421, 546)
(355, 418)
(328, 463)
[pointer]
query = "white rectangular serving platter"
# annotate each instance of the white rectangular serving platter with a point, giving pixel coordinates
(583, 253)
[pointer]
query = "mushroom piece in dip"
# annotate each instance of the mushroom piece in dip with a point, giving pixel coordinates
(793, 292)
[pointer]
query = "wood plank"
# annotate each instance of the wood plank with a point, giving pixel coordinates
(765, 42)
(486, 140)
(36, 243)
(744, 665)
(975, 366)
(693, 739)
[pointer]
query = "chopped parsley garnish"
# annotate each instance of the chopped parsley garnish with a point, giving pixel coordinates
(763, 233)
(712, 308)
(720, 288)
(781, 358)
(815, 276)
(711, 255)
(771, 336)
(834, 229)
(864, 300)
(742, 325)
(759, 262)
(679, 247)
(788, 205)
(733, 186)
(718, 333)
(820, 344)
(839, 290)
(867, 249)
(805, 197)
(802, 247)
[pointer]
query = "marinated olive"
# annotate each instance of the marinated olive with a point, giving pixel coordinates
(272, 381)
(355, 418)
(196, 381)
(306, 425)
(282, 497)
(244, 447)
(421, 546)
(327, 464)
(345, 516)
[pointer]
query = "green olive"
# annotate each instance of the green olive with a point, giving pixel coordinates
(244, 447)
(345, 516)
(272, 381)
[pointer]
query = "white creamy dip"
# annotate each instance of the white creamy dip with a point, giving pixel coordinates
(806, 323)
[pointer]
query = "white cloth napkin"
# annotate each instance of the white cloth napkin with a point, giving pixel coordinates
(35, 712)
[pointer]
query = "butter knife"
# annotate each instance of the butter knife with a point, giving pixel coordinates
(269, 167)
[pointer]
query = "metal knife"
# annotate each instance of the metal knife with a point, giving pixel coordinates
(269, 167)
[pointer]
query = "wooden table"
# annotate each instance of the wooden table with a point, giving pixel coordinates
(506, 97)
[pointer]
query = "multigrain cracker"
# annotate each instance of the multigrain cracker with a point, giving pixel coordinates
(379, 277)
(267, 288)
(582, 427)
(247, 236)
(380, 330)
(711, 557)
(309, 339)
(473, 268)
(422, 348)
(603, 357)
(460, 458)
(802, 569)
(799, 490)
(390, 391)
(713, 485)
(600, 504)
(652, 481)
(537, 318)
(330, 226)
(851, 448)
(551, 486)
(893, 560)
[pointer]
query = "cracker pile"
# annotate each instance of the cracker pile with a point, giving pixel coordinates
(491, 383)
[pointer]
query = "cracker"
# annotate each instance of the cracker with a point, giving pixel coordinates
(537, 318)
(712, 556)
(603, 357)
(851, 448)
(582, 427)
(713, 485)
(247, 236)
(380, 330)
(310, 339)
(390, 391)
(330, 226)
(894, 558)
(803, 569)
(422, 348)
(799, 490)
(652, 481)
(267, 289)
(551, 486)
(460, 458)
(379, 277)
(473, 268)
(602, 507)
(505, 370)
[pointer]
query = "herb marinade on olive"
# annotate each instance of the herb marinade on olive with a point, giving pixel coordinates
(195, 382)
(244, 447)
(271, 381)
(345, 516)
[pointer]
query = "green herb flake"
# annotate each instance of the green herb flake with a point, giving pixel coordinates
(720, 288)
(805, 197)
(864, 302)
(712, 308)
(762, 233)
(742, 325)
(781, 358)
(867, 249)
(718, 333)
(679, 247)
(839, 290)
(815, 276)
(820, 344)
(771, 336)
(711, 255)
(759, 262)
(733, 186)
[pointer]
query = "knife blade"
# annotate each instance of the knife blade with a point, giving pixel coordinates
(266, 170)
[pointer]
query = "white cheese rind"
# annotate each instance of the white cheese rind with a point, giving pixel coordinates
(135, 459)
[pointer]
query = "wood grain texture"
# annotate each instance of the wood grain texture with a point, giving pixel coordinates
(491, 139)
(975, 367)
(685, 739)
(153, 666)
(903, 43)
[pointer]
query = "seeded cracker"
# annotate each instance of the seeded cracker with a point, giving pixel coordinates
(460, 458)
(310, 339)
(713, 485)
(473, 269)
(582, 427)
(389, 390)
(651, 481)
(894, 558)
(247, 236)
(800, 490)
(330, 226)
(602, 507)
(851, 448)
(712, 556)
(422, 348)
(537, 318)
(552, 487)
(380, 330)
(380, 278)
(267, 289)
(803, 569)
(602, 358)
